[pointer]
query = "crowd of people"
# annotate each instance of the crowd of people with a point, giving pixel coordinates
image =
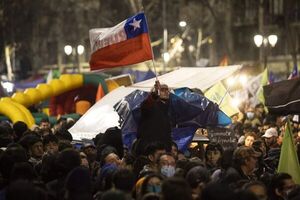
(44, 162)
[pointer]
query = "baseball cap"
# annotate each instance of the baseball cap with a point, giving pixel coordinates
(245, 152)
(271, 132)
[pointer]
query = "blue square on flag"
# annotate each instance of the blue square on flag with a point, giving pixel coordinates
(136, 25)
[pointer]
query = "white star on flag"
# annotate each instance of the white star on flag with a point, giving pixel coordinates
(135, 23)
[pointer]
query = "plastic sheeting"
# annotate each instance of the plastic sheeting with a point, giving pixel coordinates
(93, 122)
(192, 77)
(187, 109)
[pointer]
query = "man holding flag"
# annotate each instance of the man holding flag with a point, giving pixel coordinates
(124, 44)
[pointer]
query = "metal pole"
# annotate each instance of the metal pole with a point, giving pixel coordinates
(165, 35)
(261, 29)
(265, 56)
(8, 63)
(198, 45)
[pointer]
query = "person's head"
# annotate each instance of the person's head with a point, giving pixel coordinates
(216, 191)
(245, 158)
(106, 176)
(84, 160)
(11, 156)
(19, 129)
(176, 188)
(50, 144)
(249, 139)
(113, 137)
(164, 92)
(174, 150)
(259, 146)
(259, 109)
(282, 184)
(113, 194)
(258, 189)
(6, 136)
(78, 184)
(45, 124)
(151, 184)
(270, 136)
(213, 153)
(167, 164)
(66, 161)
(109, 156)
(24, 171)
(181, 156)
(22, 189)
(250, 113)
(124, 180)
(90, 150)
(151, 196)
(33, 144)
(154, 151)
(64, 135)
(234, 118)
(61, 121)
(197, 177)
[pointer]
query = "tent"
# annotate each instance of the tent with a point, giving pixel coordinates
(102, 115)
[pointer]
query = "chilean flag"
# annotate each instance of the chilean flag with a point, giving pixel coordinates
(124, 44)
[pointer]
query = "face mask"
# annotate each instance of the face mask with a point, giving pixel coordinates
(250, 115)
(167, 171)
(154, 188)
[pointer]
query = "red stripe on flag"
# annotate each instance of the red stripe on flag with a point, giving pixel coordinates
(127, 52)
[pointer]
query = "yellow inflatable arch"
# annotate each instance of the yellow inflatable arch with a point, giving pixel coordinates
(15, 107)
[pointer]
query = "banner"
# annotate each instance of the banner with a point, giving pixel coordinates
(288, 161)
(124, 44)
(264, 81)
(224, 136)
(283, 97)
(219, 95)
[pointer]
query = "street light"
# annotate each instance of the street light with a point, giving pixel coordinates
(263, 41)
(272, 40)
(258, 40)
(76, 52)
(80, 49)
(68, 49)
(166, 57)
(182, 24)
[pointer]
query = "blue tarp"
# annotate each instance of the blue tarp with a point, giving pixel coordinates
(188, 111)
(28, 84)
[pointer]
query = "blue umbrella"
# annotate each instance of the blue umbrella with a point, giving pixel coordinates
(188, 111)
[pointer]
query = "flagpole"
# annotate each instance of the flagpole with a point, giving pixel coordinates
(153, 62)
(227, 88)
(219, 104)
